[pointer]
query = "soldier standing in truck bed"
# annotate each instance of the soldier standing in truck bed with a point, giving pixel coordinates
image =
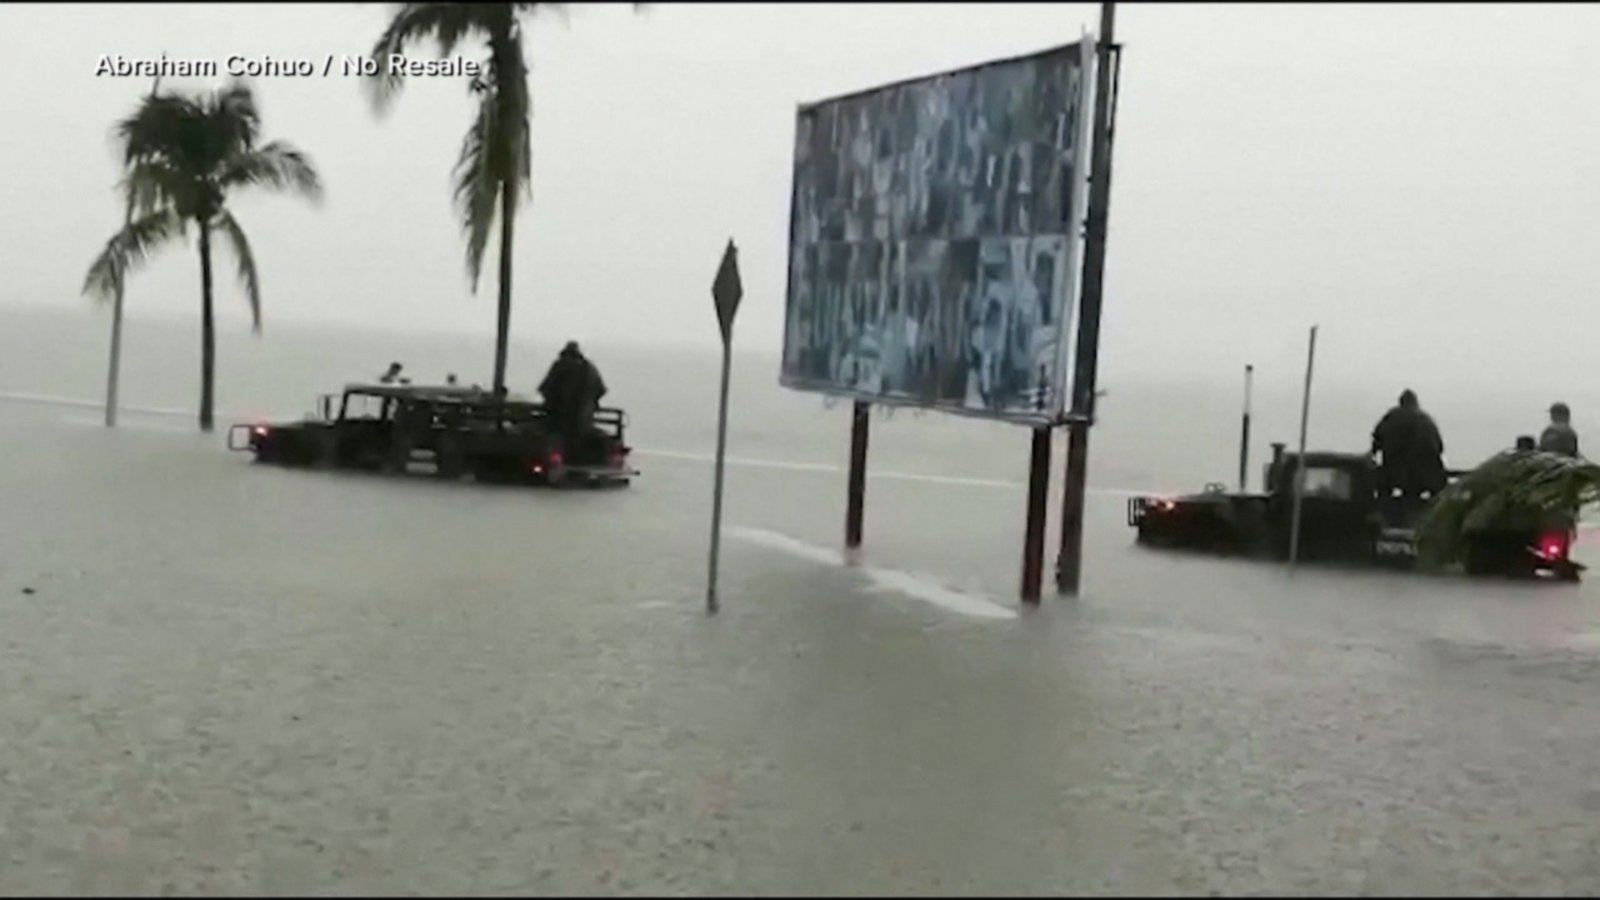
(572, 390)
(1412, 452)
(1559, 436)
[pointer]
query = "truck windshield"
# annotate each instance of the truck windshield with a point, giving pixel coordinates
(363, 406)
(1333, 484)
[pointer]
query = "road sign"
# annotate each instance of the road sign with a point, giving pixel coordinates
(727, 291)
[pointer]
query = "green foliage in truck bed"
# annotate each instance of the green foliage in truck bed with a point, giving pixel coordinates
(1514, 490)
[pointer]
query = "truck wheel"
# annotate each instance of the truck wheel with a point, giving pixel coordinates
(325, 450)
(448, 459)
(492, 470)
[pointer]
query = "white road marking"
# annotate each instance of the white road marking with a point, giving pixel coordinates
(82, 422)
(50, 400)
(882, 579)
(824, 467)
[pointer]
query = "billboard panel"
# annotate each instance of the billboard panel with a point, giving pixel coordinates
(934, 239)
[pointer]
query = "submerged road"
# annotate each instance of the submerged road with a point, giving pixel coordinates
(227, 678)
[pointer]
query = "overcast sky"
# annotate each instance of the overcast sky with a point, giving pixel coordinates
(1424, 181)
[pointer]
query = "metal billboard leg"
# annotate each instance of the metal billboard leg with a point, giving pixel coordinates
(1033, 541)
(858, 474)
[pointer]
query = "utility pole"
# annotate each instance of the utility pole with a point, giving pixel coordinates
(1069, 564)
(1300, 461)
(1244, 433)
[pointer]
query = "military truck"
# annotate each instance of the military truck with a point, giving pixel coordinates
(447, 431)
(1345, 516)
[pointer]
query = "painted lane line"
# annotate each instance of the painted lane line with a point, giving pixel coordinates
(898, 476)
(51, 400)
(906, 583)
(81, 422)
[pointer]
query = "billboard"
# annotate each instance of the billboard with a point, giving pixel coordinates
(934, 239)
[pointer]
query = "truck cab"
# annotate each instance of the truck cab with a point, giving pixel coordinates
(1340, 516)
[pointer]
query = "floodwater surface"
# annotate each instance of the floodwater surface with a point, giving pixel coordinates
(223, 677)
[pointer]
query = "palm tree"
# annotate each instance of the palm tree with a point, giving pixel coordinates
(182, 156)
(113, 369)
(494, 163)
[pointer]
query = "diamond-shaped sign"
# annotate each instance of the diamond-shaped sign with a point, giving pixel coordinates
(726, 290)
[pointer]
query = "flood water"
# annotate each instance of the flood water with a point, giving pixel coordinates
(220, 677)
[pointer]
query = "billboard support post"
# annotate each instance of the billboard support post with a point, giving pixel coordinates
(856, 503)
(1069, 563)
(1033, 540)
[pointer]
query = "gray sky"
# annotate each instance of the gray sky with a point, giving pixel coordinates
(1424, 181)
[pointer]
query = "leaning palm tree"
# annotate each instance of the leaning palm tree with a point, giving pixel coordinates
(493, 168)
(182, 157)
(114, 368)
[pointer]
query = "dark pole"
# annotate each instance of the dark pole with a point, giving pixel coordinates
(1069, 564)
(1244, 437)
(858, 474)
(1300, 461)
(716, 496)
(1033, 542)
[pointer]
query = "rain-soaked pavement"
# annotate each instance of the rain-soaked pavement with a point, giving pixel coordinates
(218, 677)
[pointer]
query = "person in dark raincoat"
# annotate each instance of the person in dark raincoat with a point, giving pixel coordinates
(572, 390)
(1559, 436)
(1411, 450)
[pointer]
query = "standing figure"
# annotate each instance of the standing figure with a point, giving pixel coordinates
(1559, 436)
(1412, 453)
(572, 390)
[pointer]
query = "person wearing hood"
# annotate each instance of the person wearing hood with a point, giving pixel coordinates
(1412, 452)
(572, 390)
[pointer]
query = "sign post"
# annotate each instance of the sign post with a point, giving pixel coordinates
(726, 292)
(1069, 562)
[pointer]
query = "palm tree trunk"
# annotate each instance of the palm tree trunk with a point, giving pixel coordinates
(208, 330)
(508, 209)
(116, 358)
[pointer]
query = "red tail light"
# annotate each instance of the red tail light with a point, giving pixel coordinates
(259, 431)
(1552, 546)
(556, 458)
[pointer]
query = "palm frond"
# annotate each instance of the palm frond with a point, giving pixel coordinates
(157, 126)
(516, 108)
(127, 249)
(1512, 490)
(477, 188)
(229, 226)
(154, 183)
(446, 22)
(234, 120)
(276, 165)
